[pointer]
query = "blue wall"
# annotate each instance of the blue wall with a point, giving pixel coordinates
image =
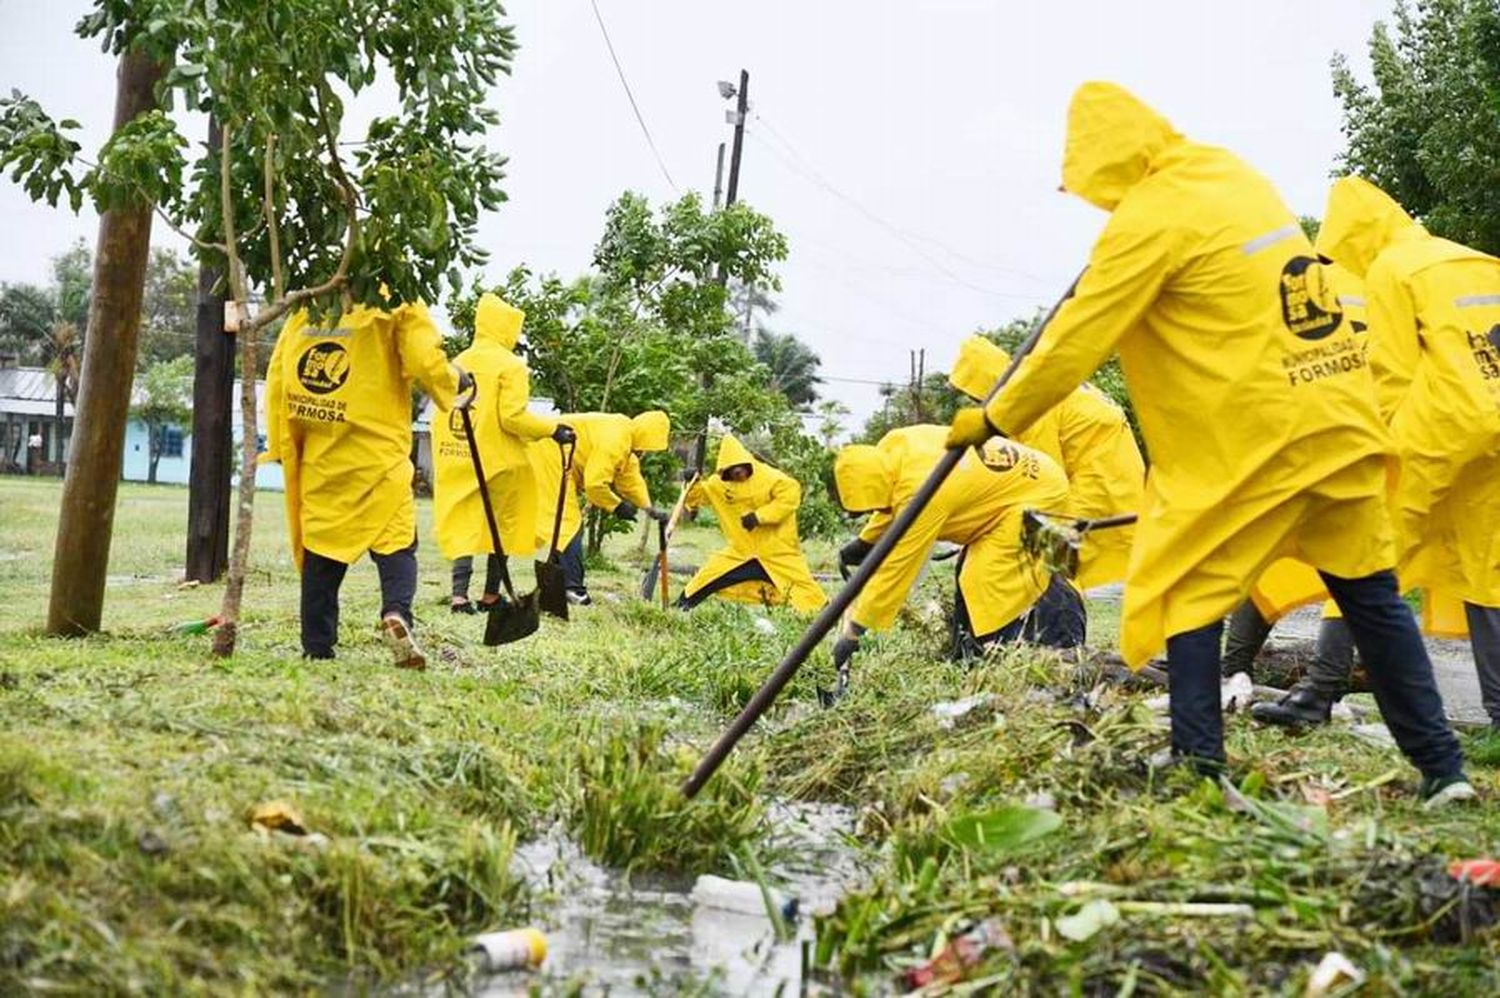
(174, 470)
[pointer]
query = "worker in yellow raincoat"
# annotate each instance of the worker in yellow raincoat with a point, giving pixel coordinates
(1090, 438)
(1434, 313)
(1254, 399)
(1290, 583)
(756, 506)
(979, 507)
(503, 426)
(606, 468)
(338, 414)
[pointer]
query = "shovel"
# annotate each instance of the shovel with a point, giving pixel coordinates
(551, 584)
(657, 573)
(516, 617)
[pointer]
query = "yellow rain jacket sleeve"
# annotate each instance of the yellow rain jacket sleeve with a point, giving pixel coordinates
(1253, 393)
(503, 426)
(1434, 310)
(979, 507)
(605, 468)
(774, 498)
(1090, 438)
(343, 399)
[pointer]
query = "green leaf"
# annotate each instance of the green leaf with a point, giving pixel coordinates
(1002, 830)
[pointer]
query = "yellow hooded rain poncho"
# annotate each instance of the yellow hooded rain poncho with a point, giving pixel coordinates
(1089, 436)
(1252, 390)
(773, 496)
(605, 468)
(338, 408)
(1434, 313)
(502, 428)
(979, 507)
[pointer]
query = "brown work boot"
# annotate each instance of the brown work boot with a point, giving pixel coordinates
(403, 645)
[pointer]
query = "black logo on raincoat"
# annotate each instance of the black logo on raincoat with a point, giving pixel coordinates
(323, 368)
(1309, 307)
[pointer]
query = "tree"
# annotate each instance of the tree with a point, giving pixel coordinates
(1428, 129)
(931, 401)
(164, 400)
(649, 326)
(792, 363)
(281, 204)
(831, 416)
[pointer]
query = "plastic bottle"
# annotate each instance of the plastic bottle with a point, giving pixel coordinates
(515, 949)
(197, 626)
(741, 896)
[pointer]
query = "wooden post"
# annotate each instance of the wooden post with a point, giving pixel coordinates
(87, 514)
(213, 432)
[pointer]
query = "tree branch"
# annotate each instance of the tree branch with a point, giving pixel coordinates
(278, 279)
(237, 288)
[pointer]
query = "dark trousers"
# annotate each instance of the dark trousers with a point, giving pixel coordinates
(1484, 640)
(321, 579)
(1333, 655)
(750, 571)
(1058, 619)
(1385, 632)
(572, 564)
(463, 572)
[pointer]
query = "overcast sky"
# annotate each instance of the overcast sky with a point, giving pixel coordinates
(910, 151)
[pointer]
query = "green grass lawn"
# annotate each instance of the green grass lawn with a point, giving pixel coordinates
(130, 763)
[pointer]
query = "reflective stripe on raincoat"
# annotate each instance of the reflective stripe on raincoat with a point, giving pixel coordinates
(605, 468)
(1089, 436)
(773, 496)
(338, 405)
(979, 507)
(502, 427)
(1434, 312)
(1253, 393)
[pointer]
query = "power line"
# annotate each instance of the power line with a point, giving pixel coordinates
(799, 165)
(633, 105)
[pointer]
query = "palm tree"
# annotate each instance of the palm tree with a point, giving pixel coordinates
(793, 365)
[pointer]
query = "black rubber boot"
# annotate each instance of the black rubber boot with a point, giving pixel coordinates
(1303, 706)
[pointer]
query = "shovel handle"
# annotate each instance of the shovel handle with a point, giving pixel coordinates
(484, 498)
(844, 598)
(661, 562)
(565, 453)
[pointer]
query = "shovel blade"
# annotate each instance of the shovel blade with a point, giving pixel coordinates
(509, 622)
(551, 589)
(649, 582)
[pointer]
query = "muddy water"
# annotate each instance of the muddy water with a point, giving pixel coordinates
(642, 935)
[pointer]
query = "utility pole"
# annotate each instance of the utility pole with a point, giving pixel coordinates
(213, 433)
(741, 108)
(719, 179)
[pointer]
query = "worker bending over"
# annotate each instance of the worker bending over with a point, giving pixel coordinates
(606, 469)
(338, 404)
(978, 507)
(1255, 403)
(762, 562)
(503, 426)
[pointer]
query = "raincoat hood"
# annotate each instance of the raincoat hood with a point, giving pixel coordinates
(498, 321)
(863, 479)
(732, 453)
(1114, 141)
(1360, 222)
(974, 370)
(650, 431)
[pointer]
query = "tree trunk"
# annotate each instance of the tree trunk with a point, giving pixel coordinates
(153, 453)
(86, 517)
(213, 435)
(234, 586)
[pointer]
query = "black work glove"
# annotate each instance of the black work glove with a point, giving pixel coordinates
(564, 434)
(466, 389)
(749, 521)
(843, 650)
(627, 510)
(659, 515)
(852, 554)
